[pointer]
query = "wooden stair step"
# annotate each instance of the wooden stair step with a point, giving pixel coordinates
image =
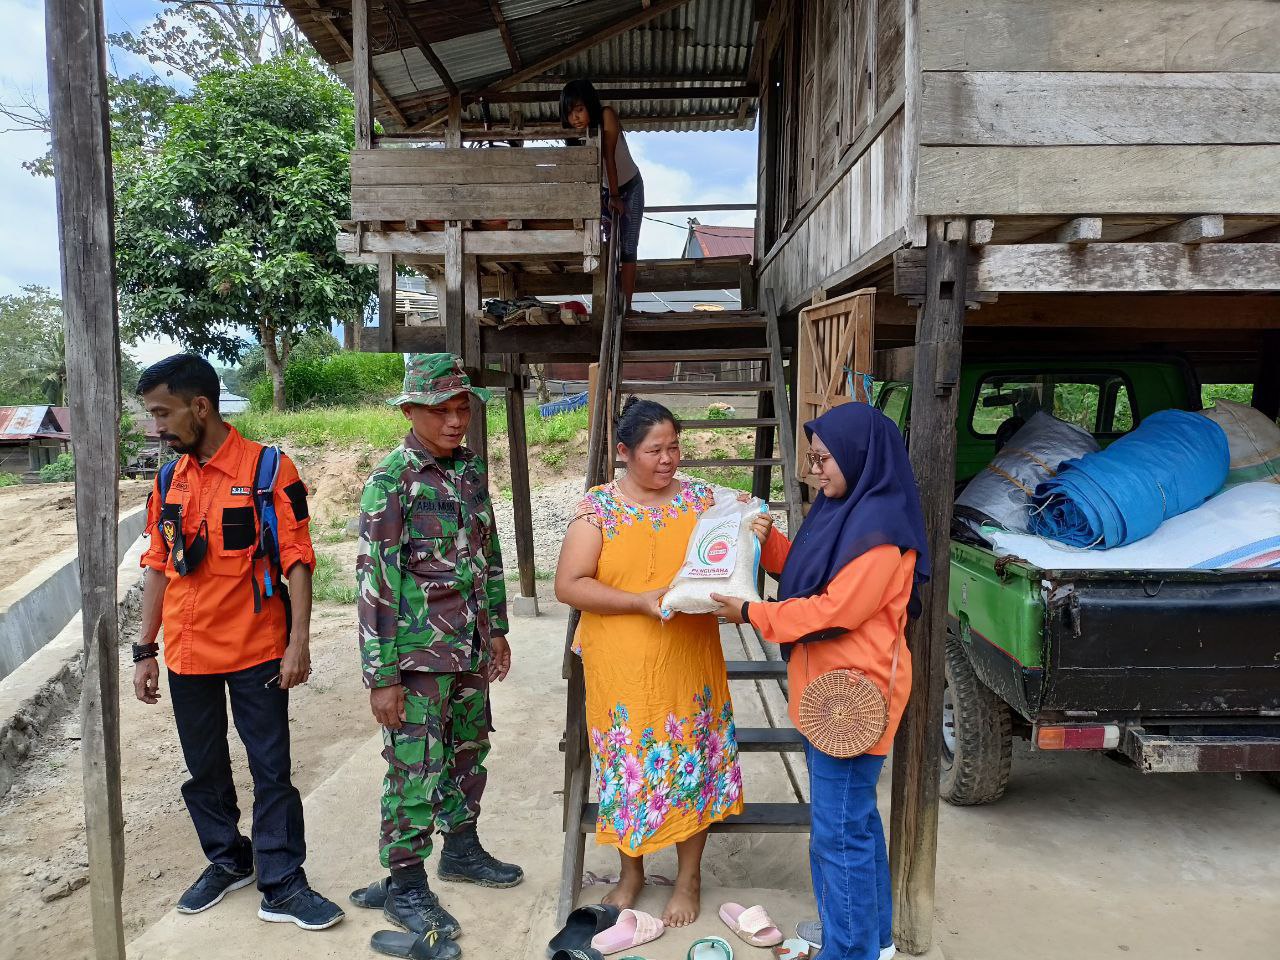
(705, 387)
(729, 422)
(708, 354)
(756, 669)
(770, 740)
(693, 320)
(755, 818)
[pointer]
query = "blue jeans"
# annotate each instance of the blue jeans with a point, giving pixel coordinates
(262, 718)
(847, 856)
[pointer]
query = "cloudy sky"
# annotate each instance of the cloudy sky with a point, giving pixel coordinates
(677, 168)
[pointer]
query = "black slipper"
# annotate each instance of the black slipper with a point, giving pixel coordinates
(428, 945)
(583, 924)
(372, 897)
(578, 953)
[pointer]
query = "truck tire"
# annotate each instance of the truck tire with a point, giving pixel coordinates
(977, 742)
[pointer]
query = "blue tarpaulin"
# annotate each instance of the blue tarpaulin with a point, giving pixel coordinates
(1173, 462)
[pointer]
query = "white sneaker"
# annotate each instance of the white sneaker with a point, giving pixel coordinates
(889, 952)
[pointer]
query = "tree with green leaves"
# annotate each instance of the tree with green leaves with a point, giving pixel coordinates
(185, 42)
(33, 367)
(227, 228)
(30, 346)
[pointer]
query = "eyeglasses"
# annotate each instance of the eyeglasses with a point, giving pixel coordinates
(816, 460)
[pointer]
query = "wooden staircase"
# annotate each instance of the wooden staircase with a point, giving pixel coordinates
(750, 335)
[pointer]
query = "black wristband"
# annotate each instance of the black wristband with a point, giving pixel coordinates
(145, 651)
(745, 618)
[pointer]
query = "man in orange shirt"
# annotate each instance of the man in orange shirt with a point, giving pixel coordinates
(230, 625)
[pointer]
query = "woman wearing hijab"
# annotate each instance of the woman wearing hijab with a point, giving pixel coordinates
(847, 588)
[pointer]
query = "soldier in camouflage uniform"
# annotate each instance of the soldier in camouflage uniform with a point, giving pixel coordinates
(433, 623)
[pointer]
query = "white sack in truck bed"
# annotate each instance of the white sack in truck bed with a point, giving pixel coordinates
(1236, 530)
(723, 557)
(998, 495)
(1253, 439)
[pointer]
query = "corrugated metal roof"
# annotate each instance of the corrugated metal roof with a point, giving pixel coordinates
(703, 38)
(25, 422)
(725, 241)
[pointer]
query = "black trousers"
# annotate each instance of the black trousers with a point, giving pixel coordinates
(262, 719)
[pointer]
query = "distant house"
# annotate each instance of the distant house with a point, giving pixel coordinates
(707, 240)
(30, 437)
(229, 403)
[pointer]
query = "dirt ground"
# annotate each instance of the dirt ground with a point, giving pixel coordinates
(38, 520)
(42, 843)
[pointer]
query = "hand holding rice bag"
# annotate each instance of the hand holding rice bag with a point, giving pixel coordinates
(723, 557)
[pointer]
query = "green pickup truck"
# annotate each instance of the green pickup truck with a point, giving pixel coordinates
(1170, 671)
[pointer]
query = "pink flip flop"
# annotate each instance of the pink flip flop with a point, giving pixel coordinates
(752, 924)
(632, 929)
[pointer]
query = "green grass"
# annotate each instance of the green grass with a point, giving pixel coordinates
(380, 426)
(384, 427)
(9, 480)
(332, 583)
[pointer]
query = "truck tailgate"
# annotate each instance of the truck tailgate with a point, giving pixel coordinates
(1184, 643)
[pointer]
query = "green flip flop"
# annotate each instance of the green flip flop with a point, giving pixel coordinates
(710, 948)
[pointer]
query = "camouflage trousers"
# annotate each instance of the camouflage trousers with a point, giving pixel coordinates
(435, 762)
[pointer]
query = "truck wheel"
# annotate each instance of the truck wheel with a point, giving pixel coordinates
(977, 734)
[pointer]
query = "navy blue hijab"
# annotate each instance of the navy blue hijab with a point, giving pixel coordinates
(881, 506)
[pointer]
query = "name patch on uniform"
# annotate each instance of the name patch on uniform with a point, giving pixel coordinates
(240, 491)
(442, 507)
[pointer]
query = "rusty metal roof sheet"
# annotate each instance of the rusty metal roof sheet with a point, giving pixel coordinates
(699, 43)
(25, 422)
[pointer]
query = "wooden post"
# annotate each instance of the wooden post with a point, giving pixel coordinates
(451, 314)
(913, 825)
(472, 356)
(453, 134)
(747, 285)
(386, 302)
(77, 58)
(361, 72)
(521, 495)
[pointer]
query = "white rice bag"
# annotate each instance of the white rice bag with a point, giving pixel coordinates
(723, 557)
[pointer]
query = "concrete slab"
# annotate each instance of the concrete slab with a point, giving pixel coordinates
(1084, 858)
(36, 607)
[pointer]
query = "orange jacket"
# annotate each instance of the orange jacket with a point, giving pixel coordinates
(868, 598)
(208, 618)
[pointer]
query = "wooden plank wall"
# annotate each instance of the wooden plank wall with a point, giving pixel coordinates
(849, 185)
(1130, 106)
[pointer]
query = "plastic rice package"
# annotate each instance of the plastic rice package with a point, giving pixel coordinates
(723, 557)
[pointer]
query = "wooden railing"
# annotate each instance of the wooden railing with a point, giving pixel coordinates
(456, 183)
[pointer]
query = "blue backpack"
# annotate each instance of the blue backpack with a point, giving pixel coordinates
(264, 507)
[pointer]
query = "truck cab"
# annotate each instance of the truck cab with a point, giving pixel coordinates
(1166, 670)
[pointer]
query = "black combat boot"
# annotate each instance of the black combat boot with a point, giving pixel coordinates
(412, 906)
(464, 860)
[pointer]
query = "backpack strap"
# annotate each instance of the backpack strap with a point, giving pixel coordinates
(164, 480)
(265, 473)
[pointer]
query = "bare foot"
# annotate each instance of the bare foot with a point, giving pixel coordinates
(685, 903)
(624, 895)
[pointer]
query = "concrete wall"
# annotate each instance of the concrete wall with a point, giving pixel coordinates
(34, 609)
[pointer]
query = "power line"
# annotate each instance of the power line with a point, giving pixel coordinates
(702, 231)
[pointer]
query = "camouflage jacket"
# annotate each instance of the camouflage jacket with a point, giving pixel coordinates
(429, 569)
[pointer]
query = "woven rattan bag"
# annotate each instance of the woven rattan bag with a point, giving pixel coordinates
(843, 713)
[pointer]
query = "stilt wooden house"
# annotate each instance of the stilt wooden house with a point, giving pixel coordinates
(990, 172)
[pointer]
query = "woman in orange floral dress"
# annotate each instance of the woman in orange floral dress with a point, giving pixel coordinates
(664, 754)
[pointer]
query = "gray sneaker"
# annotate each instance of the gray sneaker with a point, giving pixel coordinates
(811, 931)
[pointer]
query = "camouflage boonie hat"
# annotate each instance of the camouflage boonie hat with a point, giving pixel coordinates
(431, 378)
